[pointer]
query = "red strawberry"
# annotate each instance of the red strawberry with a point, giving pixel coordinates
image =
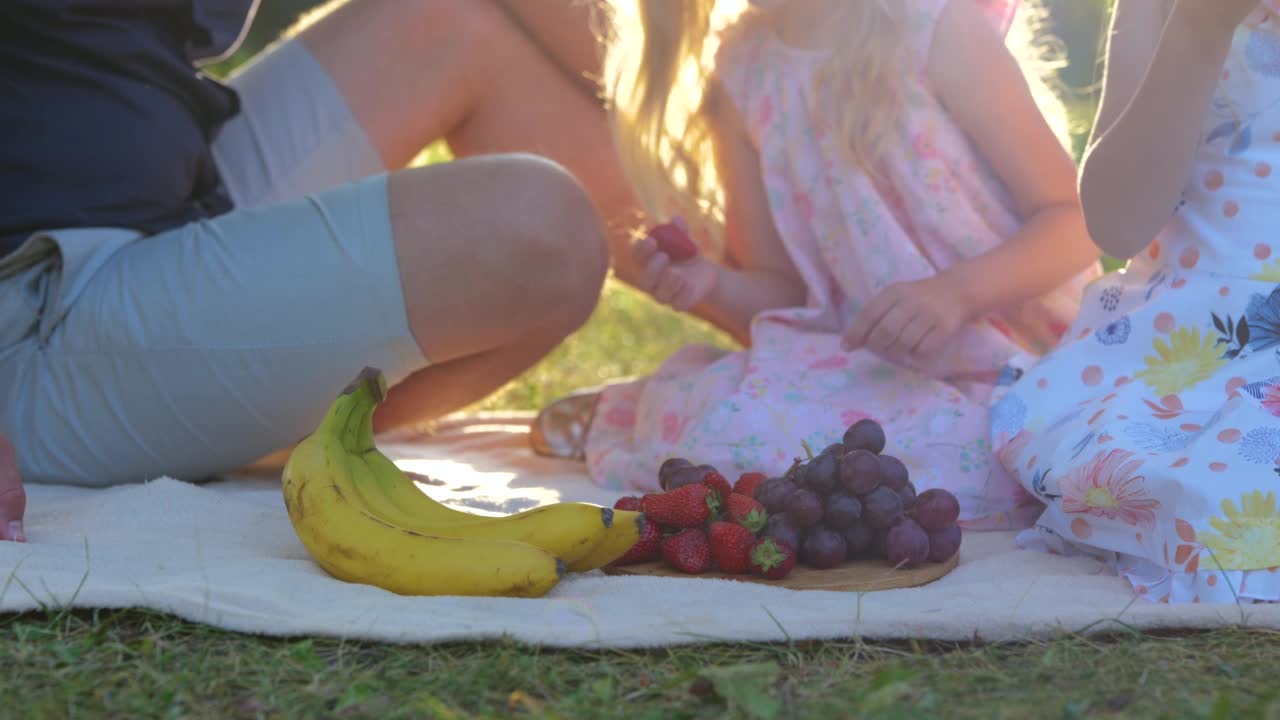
(673, 240)
(731, 546)
(630, 503)
(646, 548)
(690, 506)
(718, 485)
(746, 511)
(772, 558)
(687, 551)
(748, 483)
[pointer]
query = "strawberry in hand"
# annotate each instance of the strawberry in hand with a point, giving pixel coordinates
(671, 268)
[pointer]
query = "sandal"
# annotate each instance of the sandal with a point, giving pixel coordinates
(560, 429)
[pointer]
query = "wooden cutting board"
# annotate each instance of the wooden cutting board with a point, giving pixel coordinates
(860, 576)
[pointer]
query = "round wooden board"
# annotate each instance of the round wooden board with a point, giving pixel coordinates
(860, 576)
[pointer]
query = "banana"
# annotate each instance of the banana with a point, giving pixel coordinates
(568, 530)
(328, 512)
(626, 531)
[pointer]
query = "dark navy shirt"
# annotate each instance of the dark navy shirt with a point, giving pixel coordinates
(104, 118)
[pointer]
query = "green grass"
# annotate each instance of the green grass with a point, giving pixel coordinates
(134, 664)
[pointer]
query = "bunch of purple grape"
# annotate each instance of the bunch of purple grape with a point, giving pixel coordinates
(851, 502)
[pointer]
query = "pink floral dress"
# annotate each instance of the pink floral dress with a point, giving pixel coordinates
(935, 202)
(1153, 433)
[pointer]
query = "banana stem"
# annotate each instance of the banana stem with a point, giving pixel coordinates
(366, 392)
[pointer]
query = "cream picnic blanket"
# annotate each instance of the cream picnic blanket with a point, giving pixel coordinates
(224, 554)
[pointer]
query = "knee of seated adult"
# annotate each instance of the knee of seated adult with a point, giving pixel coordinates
(564, 240)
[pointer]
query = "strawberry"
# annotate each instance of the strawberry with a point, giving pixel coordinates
(748, 483)
(772, 559)
(690, 506)
(731, 546)
(646, 548)
(746, 511)
(673, 240)
(718, 485)
(688, 551)
(630, 503)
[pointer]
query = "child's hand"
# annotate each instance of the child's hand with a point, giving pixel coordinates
(910, 319)
(682, 285)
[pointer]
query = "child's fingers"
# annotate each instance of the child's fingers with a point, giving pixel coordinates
(867, 320)
(932, 343)
(669, 286)
(652, 271)
(643, 249)
(884, 335)
(914, 333)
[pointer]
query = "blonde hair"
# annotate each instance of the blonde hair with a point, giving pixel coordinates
(658, 65)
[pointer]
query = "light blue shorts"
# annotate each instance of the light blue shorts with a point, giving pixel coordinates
(197, 350)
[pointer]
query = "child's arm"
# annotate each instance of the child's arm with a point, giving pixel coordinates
(985, 92)
(764, 277)
(1135, 171)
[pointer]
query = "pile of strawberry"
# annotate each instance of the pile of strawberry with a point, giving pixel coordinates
(707, 525)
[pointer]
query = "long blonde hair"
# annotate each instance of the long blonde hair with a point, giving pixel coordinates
(658, 64)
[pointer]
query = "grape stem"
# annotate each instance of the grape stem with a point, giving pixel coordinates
(807, 450)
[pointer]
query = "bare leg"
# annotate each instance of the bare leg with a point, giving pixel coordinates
(417, 70)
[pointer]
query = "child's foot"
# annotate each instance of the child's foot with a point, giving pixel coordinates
(560, 429)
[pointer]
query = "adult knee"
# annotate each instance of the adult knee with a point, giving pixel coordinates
(559, 237)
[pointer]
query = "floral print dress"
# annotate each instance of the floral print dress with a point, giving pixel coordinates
(935, 202)
(1153, 433)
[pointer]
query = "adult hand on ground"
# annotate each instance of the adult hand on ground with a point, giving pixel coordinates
(13, 498)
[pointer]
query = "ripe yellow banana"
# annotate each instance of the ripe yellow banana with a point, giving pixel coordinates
(329, 513)
(626, 531)
(570, 530)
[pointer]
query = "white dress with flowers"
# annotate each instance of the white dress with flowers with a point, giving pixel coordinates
(1152, 434)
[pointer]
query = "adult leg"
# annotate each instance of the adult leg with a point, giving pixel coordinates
(197, 350)
(413, 71)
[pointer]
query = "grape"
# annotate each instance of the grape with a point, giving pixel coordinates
(822, 474)
(881, 508)
(796, 473)
(878, 542)
(865, 435)
(669, 467)
(681, 476)
(781, 528)
(908, 494)
(892, 472)
(935, 509)
(707, 469)
(860, 472)
(823, 548)
(836, 450)
(775, 494)
(907, 544)
(842, 511)
(857, 539)
(944, 543)
(805, 508)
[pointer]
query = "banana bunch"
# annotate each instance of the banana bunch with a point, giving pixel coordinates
(365, 521)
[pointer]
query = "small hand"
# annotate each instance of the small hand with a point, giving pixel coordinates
(910, 319)
(682, 285)
(13, 498)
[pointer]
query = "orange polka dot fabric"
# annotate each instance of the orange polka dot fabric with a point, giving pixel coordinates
(1152, 433)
